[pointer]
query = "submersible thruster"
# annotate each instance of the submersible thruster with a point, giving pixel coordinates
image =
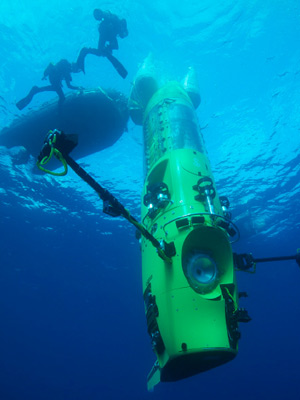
(191, 302)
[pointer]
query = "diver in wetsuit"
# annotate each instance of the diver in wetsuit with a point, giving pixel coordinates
(56, 74)
(109, 28)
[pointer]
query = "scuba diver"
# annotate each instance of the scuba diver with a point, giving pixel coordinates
(56, 73)
(109, 28)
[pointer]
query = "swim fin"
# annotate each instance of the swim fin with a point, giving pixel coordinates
(24, 102)
(118, 66)
(79, 65)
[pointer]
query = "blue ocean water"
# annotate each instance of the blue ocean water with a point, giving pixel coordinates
(71, 307)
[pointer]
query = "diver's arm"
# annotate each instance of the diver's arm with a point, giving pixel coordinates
(70, 86)
(68, 80)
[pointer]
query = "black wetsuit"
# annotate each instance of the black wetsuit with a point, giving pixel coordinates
(56, 73)
(109, 28)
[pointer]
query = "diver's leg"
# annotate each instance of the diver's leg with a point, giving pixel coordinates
(95, 52)
(61, 96)
(101, 44)
(83, 53)
(48, 88)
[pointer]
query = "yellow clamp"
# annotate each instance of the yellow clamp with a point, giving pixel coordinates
(233, 300)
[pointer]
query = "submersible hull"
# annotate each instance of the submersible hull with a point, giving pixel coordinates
(190, 302)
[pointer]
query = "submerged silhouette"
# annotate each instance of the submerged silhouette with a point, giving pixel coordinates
(56, 73)
(109, 28)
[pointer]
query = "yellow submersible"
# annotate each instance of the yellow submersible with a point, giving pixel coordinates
(191, 302)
